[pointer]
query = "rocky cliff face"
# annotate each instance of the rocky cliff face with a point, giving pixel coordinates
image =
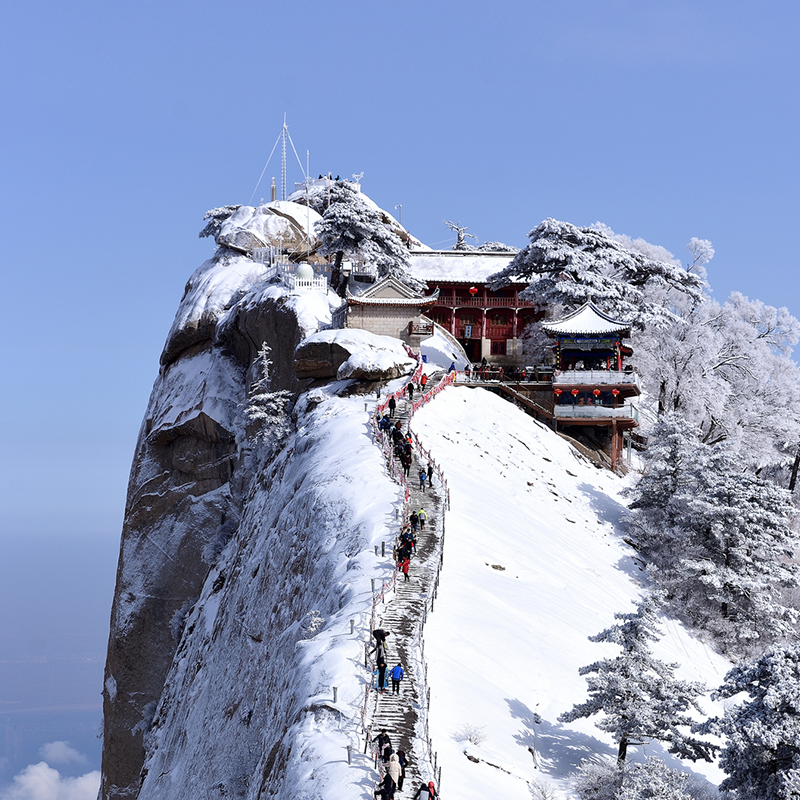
(232, 555)
(185, 495)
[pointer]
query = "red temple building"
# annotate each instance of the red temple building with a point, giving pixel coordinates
(592, 386)
(488, 324)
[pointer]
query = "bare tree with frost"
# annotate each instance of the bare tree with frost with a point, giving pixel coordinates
(268, 412)
(729, 370)
(762, 753)
(638, 695)
(461, 235)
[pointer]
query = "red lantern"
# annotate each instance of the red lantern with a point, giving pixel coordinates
(615, 392)
(596, 392)
(557, 392)
(574, 392)
(473, 291)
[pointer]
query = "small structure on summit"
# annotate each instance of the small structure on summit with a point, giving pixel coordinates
(388, 308)
(592, 386)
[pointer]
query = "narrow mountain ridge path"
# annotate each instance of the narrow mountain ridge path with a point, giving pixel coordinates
(403, 616)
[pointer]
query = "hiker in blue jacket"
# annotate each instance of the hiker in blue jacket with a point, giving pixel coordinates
(396, 675)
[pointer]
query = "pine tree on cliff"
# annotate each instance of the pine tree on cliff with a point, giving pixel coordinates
(638, 695)
(569, 265)
(215, 217)
(351, 229)
(268, 412)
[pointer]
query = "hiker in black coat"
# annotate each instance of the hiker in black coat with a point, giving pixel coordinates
(387, 787)
(403, 758)
(384, 745)
(381, 674)
(379, 635)
(410, 388)
(392, 405)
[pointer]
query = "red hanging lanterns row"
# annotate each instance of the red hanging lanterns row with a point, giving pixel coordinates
(575, 392)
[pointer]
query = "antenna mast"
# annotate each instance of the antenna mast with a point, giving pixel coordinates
(283, 163)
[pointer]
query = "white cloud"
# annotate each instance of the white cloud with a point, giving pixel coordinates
(60, 753)
(42, 782)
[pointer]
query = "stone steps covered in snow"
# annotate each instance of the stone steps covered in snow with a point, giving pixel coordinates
(404, 614)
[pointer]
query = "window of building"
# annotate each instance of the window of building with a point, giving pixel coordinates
(469, 319)
(499, 319)
(499, 347)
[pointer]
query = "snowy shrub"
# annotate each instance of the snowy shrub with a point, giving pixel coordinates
(652, 780)
(178, 621)
(596, 781)
(542, 791)
(311, 623)
(496, 247)
(474, 734)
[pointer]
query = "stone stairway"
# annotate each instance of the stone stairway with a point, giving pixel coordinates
(400, 715)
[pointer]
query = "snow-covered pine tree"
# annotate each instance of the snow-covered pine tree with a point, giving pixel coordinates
(569, 265)
(762, 753)
(496, 247)
(674, 454)
(215, 217)
(267, 412)
(737, 556)
(351, 228)
(716, 538)
(638, 695)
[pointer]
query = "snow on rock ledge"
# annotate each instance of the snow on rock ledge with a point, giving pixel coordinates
(213, 289)
(351, 353)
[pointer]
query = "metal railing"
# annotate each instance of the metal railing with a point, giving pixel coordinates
(592, 377)
(595, 412)
(383, 439)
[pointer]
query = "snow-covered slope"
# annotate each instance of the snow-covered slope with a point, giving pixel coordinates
(533, 565)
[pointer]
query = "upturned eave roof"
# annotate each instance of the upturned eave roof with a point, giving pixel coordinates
(588, 320)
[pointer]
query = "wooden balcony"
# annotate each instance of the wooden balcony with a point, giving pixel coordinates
(499, 332)
(454, 301)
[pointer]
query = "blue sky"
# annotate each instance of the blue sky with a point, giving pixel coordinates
(124, 123)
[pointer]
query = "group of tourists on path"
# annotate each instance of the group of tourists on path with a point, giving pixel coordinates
(395, 775)
(405, 548)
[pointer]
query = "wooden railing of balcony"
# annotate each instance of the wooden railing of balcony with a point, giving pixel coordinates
(483, 302)
(499, 332)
